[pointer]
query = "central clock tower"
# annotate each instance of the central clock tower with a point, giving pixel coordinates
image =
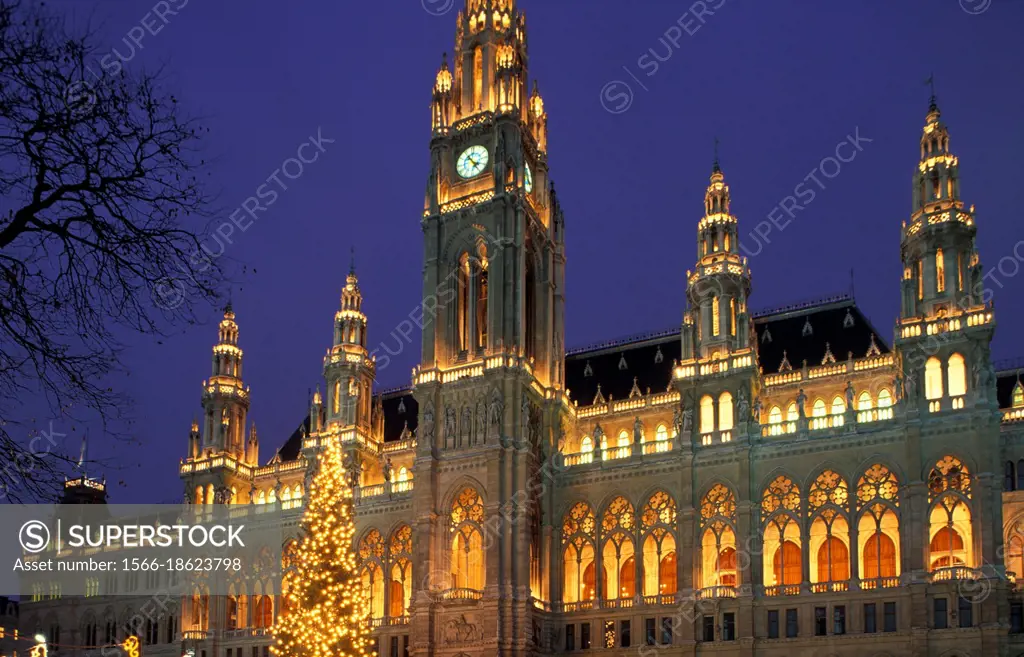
(490, 384)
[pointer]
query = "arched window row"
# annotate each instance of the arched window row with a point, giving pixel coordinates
(386, 571)
(869, 406)
(633, 552)
(269, 495)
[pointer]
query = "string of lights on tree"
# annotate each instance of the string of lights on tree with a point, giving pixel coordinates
(324, 612)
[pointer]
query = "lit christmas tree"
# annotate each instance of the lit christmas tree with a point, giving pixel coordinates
(325, 613)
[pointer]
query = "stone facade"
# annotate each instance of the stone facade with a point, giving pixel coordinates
(779, 483)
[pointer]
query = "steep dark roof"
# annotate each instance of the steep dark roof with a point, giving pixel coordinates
(1007, 375)
(399, 407)
(808, 332)
(835, 322)
(615, 364)
(293, 446)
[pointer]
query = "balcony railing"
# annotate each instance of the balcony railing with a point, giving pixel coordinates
(950, 573)
(879, 583)
(658, 446)
(714, 592)
(875, 415)
(827, 422)
(778, 429)
(401, 486)
(613, 453)
(371, 491)
(462, 594)
(782, 589)
(830, 587)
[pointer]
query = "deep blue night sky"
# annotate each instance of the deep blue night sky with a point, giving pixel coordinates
(781, 84)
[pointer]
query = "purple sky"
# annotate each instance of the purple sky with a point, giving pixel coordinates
(781, 84)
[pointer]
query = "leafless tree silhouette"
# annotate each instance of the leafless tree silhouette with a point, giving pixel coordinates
(104, 207)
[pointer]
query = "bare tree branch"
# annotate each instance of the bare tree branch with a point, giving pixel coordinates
(104, 201)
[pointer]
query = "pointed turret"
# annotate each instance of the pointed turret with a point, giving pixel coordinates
(348, 367)
(717, 290)
(225, 398)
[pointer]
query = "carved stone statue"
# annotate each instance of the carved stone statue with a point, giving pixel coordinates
(677, 420)
(428, 425)
(496, 409)
(743, 405)
(449, 424)
(252, 492)
(801, 403)
(687, 419)
(387, 468)
(598, 437)
(849, 395)
(459, 630)
(481, 420)
(910, 388)
(757, 410)
(638, 430)
(897, 386)
(467, 425)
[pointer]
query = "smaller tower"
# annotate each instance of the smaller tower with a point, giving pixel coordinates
(348, 368)
(225, 398)
(717, 290)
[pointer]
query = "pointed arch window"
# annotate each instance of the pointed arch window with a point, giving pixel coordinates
(371, 554)
(829, 535)
(884, 398)
(838, 405)
(956, 374)
(775, 415)
(462, 305)
(400, 571)
(792, 414)
(718, 538)
(732, 302)
(465, 524)
(618, 558)
(950, 531)
(940, 271)
(864, 401)
(716, 327)
(480, 274)
(818, 410)
(579, 536)
(658, 568)
(336, 397)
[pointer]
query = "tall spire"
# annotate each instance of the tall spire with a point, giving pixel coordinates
(716, 168)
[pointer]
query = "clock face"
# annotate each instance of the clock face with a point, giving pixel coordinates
(472, 161)
(528, 179)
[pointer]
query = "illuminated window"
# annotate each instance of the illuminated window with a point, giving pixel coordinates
(623, 438)
(1018, 400)
(618, 553)
(371, 554)
(792, 414)
(715, 317)
(829, 535)
(661, 433)
(940, 271)
(732, 309)
(775, 415)
(933, 378)
(950, 531)
(478, 79)
(920, 279)
(956, 374)
(878, 528)
(864, 401)
(462, 304)
(884, 398)
(725, 418)
(480, 281)
(707, 414)
(586, 445)
(718, 537)
(838, 405)
(959, 272)
(579, 535)
(403, 474)
(659, 546)
(465, 523)
(818, 410)
(336, 397)
(400, 559)
(728, 244)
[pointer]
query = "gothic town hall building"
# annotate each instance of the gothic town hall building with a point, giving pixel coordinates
(763, 484)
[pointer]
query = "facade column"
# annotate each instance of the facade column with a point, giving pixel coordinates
(854, 554)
